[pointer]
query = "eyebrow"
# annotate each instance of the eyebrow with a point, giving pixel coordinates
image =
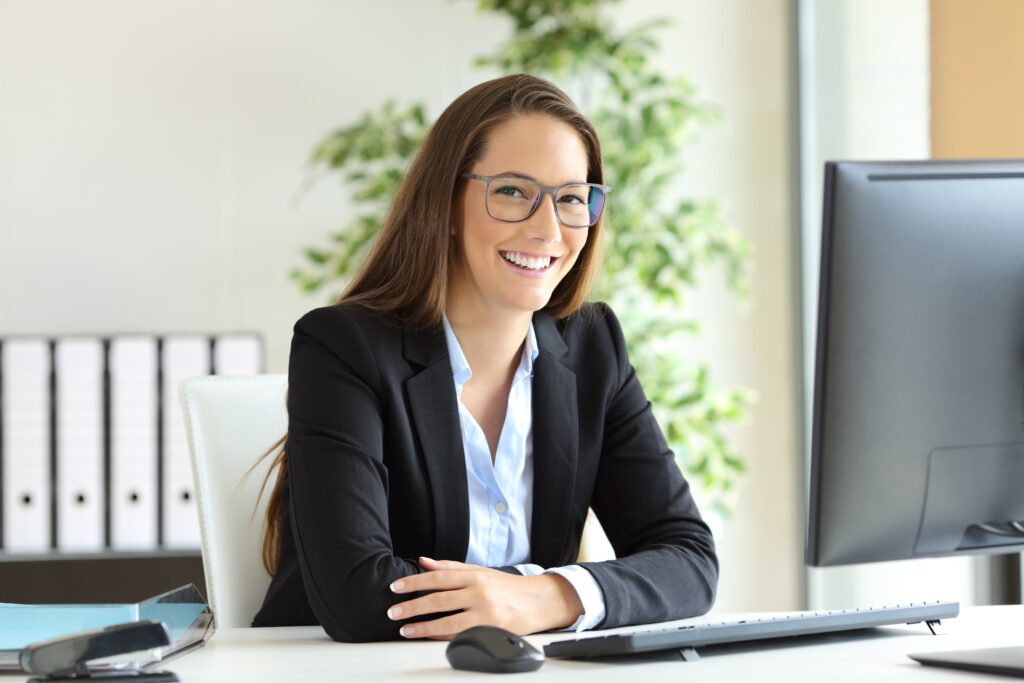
(527, 176)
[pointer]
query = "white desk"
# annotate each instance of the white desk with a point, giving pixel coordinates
(306, 654)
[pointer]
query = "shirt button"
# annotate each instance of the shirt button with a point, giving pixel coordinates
(500, 508)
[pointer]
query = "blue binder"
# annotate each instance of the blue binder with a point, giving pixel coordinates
(183, 611)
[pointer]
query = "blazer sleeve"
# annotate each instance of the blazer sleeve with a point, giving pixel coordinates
(338, 481)
(666, 567)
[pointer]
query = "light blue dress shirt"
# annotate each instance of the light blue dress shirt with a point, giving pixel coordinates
(501, 494)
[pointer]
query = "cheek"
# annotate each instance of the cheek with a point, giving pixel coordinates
(480, 240)
(576, 240)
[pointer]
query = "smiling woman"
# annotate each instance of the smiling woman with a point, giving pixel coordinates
(456, 413)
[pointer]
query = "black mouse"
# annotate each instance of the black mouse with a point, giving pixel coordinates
(492, 650)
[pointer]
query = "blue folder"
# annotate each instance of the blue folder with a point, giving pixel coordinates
(183, 611)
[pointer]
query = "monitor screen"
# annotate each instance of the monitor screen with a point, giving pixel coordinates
(918, 418)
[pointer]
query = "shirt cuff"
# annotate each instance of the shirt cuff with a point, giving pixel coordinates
(530, 569)
(589, 592)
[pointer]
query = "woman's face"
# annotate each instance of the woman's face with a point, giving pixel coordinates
(486, 276)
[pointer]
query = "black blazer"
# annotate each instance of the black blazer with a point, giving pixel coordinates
(376, 474)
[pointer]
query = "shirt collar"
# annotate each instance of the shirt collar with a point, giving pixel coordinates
(461, 371)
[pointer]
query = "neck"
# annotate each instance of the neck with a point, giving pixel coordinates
(492, 342)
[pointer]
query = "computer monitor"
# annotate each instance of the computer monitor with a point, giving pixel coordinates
(918, 419)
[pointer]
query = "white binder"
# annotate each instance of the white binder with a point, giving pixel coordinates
(133, 443)
(183, 357)
(80, 467)
(26, 444)
(237, 354)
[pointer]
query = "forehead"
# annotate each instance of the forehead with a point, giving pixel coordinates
(547, 149)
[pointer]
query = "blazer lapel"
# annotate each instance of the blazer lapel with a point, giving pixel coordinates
(555, 445)
(435, 412)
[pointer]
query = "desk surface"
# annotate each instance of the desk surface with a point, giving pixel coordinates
(307, 654)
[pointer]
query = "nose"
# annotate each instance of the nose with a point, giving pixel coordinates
(543, 225)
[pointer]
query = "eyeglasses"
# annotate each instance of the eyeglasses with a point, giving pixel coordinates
(513, 199)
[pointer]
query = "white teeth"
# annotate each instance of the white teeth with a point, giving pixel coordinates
(529, 263)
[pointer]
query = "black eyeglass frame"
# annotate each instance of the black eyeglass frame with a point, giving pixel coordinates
(552, 190)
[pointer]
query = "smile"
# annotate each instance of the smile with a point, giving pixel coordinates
(536, 264)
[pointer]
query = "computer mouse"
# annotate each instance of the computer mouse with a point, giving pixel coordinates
(492, 650)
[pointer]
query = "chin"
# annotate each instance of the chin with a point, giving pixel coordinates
(529, 303)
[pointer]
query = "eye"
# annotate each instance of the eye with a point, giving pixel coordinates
(509, 191)
(572, 199)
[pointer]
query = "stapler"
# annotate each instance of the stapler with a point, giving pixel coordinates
(66, 658)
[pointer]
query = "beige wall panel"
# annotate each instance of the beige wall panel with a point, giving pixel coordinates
(977, 64)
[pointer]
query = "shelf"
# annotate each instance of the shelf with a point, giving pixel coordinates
(108, 577)
(59, 556)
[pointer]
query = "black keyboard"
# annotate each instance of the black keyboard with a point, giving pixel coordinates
(687, 638)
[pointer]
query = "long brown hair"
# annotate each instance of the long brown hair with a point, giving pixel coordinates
(406, 272)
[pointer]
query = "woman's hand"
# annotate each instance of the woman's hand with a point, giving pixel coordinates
(520, 604)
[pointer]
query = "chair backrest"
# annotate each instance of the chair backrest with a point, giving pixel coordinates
(231, 421)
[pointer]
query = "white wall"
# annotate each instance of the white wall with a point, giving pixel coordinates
(150, 154)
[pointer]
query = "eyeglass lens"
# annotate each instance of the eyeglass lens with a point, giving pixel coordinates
(514, 199)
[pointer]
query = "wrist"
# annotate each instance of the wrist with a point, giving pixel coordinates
(562, 605)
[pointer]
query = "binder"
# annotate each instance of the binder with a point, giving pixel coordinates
(237, 354)
(133, 443)
(79, 365)
(26, 444)
(187, 618)
(182, 357)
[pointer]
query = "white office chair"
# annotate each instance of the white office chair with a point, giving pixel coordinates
(231, 421)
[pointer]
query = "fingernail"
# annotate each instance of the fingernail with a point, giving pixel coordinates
(407, 631)
(397, 586)
(426, 558)
(395, 612)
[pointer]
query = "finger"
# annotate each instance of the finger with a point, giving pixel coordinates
(432, 581)
(445, 565)
(442, 628)
(432, 603)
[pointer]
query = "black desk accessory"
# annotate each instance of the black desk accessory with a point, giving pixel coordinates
(67, 658)
(492, 650)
